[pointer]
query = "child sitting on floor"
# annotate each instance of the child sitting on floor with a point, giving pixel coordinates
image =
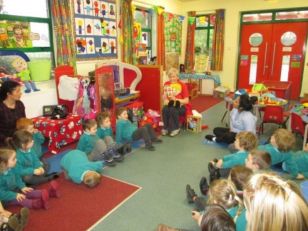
(93, 146)
(301, 160)
(28, 164)
(126, 131)
(244, 142)
(14, 191)
(104, 131)
(281, 143)
(79, 169)
(13, 222)
(38, 138)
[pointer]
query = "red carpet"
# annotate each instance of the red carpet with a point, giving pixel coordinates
(79, 207)
(204, 102)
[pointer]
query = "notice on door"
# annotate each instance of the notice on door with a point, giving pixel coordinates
(244, 60)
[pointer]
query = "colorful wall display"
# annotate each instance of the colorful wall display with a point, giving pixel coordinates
(173, 32)
(95, 28)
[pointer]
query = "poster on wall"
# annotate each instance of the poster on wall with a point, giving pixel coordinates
(95, 28)
(173, 32)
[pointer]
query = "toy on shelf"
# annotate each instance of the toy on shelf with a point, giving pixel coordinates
(271, 99)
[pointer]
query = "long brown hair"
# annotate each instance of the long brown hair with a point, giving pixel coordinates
(5, 154)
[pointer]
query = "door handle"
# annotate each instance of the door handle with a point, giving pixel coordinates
(265, 59)
(273, 59)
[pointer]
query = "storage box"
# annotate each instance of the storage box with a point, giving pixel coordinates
(221, 92)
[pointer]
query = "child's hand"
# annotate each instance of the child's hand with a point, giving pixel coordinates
(42, 170)
(37, 172)
(35, 130)
(20, 197)
(300, 176)
(219, 163)
(26, 189)
(196, 216)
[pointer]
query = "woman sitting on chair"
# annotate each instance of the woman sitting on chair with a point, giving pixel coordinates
(241, 119)
(175, 97)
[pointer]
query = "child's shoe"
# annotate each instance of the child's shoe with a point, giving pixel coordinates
(210, 138)
(214, 172)
(124, 149)
(190, 194)
(204, 186)
(54, 189)
(108, 159)
(150, 148)
(175, 132)
(12, 224)
(23, 217)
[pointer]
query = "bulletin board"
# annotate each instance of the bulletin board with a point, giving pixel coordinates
(173, 32)
(95, 29)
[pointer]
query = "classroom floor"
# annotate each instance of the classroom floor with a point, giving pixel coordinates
(163, 175)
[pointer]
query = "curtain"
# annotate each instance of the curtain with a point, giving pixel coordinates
(218, 41)
(62, 17)
(127, 45)
(190, 42)
(161, 37)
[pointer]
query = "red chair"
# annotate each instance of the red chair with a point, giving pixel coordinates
(297, 124)
(276, 115)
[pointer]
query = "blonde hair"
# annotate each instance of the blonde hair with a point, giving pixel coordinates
(92, 178)
(274, 204)
(173, 71)
(247, 140)
(5, 154)
(261, 158)
(284, 139)
(23, 123)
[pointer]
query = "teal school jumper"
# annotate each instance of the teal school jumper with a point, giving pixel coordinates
(232, 160)
(301, 160)
(76, 162)
(27, 162)
(10, 182)
(241, 219)
(87, 142)
(38, 141)
(281, 157)
(124, 131)
(103, 132)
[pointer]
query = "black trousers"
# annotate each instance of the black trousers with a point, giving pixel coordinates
(146, 133)
(171, 117)
(224, 135)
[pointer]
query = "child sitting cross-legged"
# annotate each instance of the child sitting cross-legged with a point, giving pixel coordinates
(38, 138)
(281, 144)
(104, 131)
(79, 169)
(13, 190)
(127, 132)
(93, 146)
(244, 142)
(28, 164)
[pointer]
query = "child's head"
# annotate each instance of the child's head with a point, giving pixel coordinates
(22, 139)
(283, 139)
(103, 120)
(257, 160)
(246, 141)
(223, 192)
(91, 179)
(90, 126)
(7, 159)
(26, 124)
(122, 113)
(216, 218)
(240, 175)
(273, 200)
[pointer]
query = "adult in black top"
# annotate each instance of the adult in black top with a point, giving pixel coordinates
(11, 109)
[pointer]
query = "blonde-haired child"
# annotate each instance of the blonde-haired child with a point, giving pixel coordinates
(79, 169)
(13, 190)
(281, 144)
(244, 142)
(126, 131)
(274, 204)
(38, 138)
(28, 164)
(222, 192)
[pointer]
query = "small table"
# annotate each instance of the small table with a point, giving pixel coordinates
(60, 132)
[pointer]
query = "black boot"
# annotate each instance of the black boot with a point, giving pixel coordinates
(204, 186)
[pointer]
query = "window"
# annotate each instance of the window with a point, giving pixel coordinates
(26, 28)
(143, 32)
(203, 41)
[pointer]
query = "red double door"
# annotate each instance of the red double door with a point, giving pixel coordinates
(272, 52)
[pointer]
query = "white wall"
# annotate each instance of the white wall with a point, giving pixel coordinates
(232, 29)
